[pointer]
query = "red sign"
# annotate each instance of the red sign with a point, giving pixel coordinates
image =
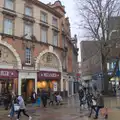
(8, 73)
(49, 75)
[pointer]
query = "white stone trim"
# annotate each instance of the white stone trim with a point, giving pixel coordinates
(44, 52)
(4, 43)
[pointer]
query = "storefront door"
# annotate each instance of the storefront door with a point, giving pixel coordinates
(27, 87)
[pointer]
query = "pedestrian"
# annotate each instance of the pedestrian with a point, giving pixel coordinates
(93, 105)
(7, 100)
(89, 99)
(33, 97)
(51, 98)
(100, 104)
(22, 108)
(44, 98)
(59, 99)
(81, 95)
(13, 100)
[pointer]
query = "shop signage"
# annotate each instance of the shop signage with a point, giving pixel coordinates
(4, 73)
(49, 75)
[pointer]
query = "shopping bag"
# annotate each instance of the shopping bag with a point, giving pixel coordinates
(38, 101)
(104, 111)
(94, 103)
(16, 107)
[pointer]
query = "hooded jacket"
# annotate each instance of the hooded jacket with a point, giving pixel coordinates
(21, 102)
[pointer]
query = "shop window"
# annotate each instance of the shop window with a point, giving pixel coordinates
(9, 4)
(8, 26)
(28, 56)
(28, 11)
(43, 17)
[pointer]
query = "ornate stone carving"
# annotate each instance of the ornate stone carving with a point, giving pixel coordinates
(49, 60)
(7, 56)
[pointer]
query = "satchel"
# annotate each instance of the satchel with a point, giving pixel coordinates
(16, 107)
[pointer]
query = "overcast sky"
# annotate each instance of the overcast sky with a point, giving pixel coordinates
(72, 14)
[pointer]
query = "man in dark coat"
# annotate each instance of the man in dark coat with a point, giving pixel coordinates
(81, 95)
(44, 97)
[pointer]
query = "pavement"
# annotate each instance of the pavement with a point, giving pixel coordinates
(69, 111)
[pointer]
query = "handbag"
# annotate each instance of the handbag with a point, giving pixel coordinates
(16, 107)
(94, 103)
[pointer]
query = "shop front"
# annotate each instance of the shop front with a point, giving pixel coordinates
(49, 81)
(8, 81)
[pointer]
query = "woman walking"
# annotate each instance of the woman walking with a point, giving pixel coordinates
(100, 105)
(22, 108)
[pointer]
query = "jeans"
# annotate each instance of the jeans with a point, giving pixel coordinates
(92, 108)
(12, 111)
(97, 110)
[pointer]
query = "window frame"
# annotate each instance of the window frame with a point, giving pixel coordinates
(57, 37)
(13, 22)
(28, 23)
(26, 58)
(42, 27)
(28, 6)
(53, 23)
(42, 12)
(8, 8)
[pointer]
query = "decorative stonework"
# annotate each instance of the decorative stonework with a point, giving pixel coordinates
(42, 60)
(6, 49)
(49, 60)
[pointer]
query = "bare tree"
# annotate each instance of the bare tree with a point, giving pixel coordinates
(97, 15)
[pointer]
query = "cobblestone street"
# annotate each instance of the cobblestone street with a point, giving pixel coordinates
(69, 111)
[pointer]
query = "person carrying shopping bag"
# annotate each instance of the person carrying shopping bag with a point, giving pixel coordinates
(22, 108)
(100, 105)
(92, 106)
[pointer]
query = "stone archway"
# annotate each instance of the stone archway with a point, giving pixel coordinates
(4, 43)
(44, 52)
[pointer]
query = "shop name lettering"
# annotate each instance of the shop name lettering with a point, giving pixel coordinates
(49, 75)
(6, 73)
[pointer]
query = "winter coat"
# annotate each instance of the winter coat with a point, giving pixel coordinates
(100, 101)
(21, 102)
(81, 94)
